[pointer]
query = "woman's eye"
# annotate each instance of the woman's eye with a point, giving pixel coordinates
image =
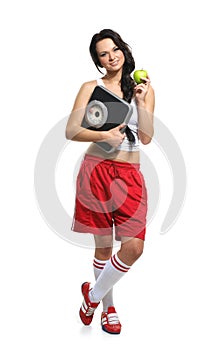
(116, 49)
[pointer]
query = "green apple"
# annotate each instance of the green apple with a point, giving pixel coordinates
(138, 74)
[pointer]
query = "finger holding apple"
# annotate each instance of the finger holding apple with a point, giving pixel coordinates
(143, 82)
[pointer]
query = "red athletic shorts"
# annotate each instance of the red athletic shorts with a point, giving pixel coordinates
(110, 194)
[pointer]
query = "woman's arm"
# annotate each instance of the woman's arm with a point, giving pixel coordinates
(74, 130)
(145, 99)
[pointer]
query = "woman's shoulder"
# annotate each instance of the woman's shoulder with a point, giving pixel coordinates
(88, 85)
(86, 89)
(84, 93)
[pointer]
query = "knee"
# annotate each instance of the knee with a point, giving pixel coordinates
(103, 253)
(136, 251)
(103, 244)
(131, 251)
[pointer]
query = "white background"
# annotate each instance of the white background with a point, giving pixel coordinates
(171, 296)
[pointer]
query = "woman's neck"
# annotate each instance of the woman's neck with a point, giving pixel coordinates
(113, 83)
(113, 77)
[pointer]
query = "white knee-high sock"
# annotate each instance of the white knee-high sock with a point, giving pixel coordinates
(98, 268)
(111, 274)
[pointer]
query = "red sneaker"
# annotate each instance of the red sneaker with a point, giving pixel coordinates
(87, 308)
(110, 322)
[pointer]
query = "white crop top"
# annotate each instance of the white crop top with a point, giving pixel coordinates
(126, 145)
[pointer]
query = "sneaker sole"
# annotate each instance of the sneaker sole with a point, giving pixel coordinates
(103, 328)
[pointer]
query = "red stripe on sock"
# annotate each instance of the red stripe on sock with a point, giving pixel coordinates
(98, 265)
(118, 266)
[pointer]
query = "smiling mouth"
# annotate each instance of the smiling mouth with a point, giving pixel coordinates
(114, 63)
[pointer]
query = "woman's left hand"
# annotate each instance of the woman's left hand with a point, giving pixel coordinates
(141, 90)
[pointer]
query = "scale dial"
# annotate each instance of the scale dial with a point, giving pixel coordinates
(96, 114)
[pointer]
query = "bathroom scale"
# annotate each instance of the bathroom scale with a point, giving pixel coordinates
(105, 111)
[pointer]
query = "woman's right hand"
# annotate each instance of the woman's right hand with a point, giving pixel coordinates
(114, 136)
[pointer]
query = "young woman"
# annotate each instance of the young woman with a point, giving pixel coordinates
(111, 192)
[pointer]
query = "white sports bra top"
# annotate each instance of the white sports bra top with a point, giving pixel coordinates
(126, 145)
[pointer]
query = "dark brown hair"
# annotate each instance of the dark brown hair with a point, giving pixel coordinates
(127, 83)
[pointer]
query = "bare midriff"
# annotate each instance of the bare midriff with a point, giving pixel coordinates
(120, 156)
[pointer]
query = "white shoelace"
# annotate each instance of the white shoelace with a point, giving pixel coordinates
(110, 318)
(90, 311)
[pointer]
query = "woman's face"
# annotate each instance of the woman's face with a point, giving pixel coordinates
(110, 56)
